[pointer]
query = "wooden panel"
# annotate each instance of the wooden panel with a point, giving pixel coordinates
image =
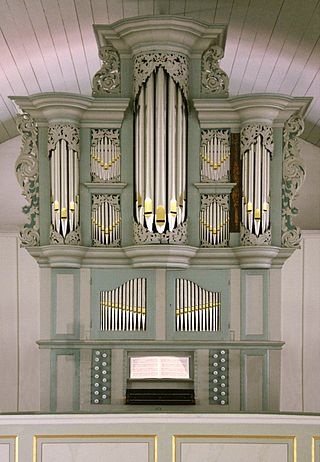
(254, 383)
(65, 371)
(65, 304)
(254, 304)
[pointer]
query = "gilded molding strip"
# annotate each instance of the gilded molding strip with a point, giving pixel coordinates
(15, 445)
(99, 437)
(293, 177)
(27, 171)
(291, 439)
(314, 440)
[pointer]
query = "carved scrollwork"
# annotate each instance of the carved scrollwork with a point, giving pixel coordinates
(250, 133)
(27, 171)
(250, 239)
(107, 79)
(176, 236)
(213, 79)
(67, 132)
(73, 238)
(293, 177)
(176, 64)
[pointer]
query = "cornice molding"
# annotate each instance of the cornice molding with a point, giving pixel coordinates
(84, 111)
(160, 256)
(236, 111)
(172, 33)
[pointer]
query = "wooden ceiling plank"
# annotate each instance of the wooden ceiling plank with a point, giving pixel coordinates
(10, 69)
(13, 37)
(237, 18)
(100, 11)
(130, 8)
(301, 21)
(177, 7)
(45, 41)
(31, 45)
(115, 10)
(223, 11)
(85, 18)
(161, 7)
(309, 72)
(302, 53)
(74, 38)
(247, 39)
(192, 9)
(145, 7)
(275, 45)
(52, 11)
(264, 31)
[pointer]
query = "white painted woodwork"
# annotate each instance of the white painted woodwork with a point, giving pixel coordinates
(254, 304)
(5, 452)
(81, 452)
(225, 452)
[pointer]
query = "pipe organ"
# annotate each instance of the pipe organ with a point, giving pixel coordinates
(105, 155)
(197, 309)
(106, 219)
(160, 152)
(214, 220)
(124, 308)
(256, 150)
(160, 220)
(63, 146)
(215, 155)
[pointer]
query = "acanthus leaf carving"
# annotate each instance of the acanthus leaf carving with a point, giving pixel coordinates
(107, 80)
(176, 64)
(27, 171)
(63, 131)
(213, 79)
(293, 177)
(177, 236)
(250, 133)
(250, 239)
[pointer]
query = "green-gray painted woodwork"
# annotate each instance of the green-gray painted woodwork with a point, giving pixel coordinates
(101, 377)
(219, 377)
(44, 186)
(108, 279)
(85, 177)
(126, 77)
(127, 172)
(213, 280)
(76, 301)
(266, 291)
(195, 78)
(53, 382)
(193, 176)
(244, 378)
(276, 187)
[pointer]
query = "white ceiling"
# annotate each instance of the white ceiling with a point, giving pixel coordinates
(49, 45)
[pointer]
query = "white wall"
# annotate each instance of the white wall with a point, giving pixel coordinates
(19, 327)
(300, 373)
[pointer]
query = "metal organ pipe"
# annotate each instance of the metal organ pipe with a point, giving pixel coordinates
(197, 309)
(160, 153)
(64, 188)
(256, 182)
(124, 308)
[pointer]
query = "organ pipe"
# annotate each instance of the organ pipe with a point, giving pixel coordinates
(256, 183)
(64, 188)
(105, 155)
(105, 220)
(124, 308)
(215, 155)
(197, 309)
(160, 153)
(214, 220)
